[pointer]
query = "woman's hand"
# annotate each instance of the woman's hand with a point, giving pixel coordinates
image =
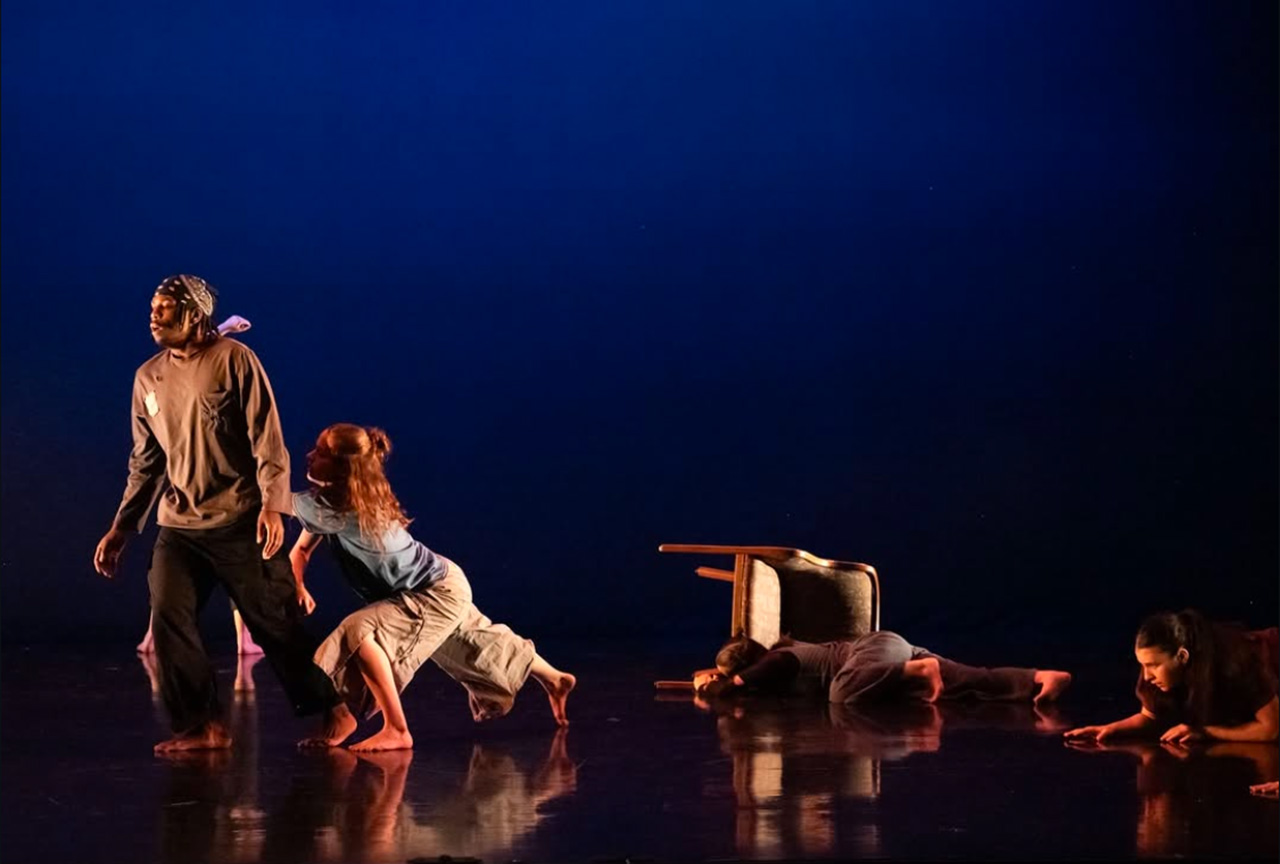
(306, 602)
(1182, 734)
(1094, 733)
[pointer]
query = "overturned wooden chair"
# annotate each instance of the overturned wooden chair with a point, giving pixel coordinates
(781, 591)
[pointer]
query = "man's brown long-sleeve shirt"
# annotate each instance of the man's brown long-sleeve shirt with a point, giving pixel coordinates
(207, 424)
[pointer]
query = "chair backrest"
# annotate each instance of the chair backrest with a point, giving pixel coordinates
(808, 601)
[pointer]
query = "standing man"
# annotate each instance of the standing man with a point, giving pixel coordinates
(205, 421)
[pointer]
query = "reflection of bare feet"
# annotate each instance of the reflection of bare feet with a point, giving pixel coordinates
(1052, 683)
(558, 774)
(1048, 719)
(244, 672)
(929, 671)
(385, 739)
(211, 736)
(390, 761)
(558, 690)
(339, 723)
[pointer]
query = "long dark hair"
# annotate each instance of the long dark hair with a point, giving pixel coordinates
(738, 653)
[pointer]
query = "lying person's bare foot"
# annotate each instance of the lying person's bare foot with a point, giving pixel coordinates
(339, 723)
(1049, 719)
(1266, 790)
(558, 690)
(211, 736)
(386, 739)
(1052, 683)
(929, 671)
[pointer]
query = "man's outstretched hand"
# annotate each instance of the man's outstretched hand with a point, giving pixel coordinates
(106, 558)
(270, 532)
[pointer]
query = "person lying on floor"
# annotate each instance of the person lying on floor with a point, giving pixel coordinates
(880, 665)
(1199, 680)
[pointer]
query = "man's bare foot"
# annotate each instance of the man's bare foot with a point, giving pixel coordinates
(928, 670)
(339, 723)
(386, 739)
(1052, 683)
(558, 690)
(211, 736)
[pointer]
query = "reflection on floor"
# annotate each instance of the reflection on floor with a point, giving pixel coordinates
(635, 777)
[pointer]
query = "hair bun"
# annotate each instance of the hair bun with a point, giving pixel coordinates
(379, 441)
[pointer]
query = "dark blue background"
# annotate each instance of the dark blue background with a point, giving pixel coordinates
(981, 293)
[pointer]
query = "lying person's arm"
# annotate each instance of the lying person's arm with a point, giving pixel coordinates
(771, 673)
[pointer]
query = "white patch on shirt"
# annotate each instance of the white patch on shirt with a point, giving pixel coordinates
(153, 406)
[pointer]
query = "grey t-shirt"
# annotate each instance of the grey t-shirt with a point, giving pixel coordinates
(401, 564)
(206, 431)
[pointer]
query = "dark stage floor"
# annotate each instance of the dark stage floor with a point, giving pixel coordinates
(634, 778)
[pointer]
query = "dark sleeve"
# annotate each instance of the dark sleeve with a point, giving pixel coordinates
(1254, 688)
(146, 469)
(774, 671)
(265, 436)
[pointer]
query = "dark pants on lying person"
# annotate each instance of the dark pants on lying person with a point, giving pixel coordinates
(186, 566)
(870, 667)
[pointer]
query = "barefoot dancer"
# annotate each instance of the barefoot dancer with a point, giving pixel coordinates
(244, 639)
(206, 434)
(419, 602)
(880, 665)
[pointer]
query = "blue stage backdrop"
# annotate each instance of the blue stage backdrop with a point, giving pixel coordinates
(984, 294)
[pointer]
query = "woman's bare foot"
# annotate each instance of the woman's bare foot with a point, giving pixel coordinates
(558, 690)
(557, 684)
(929, 671)
(1052, 683)
(339, 723)
(385, 739)
(244, 639)
(246, 646)
(211, 736)
(147, 645)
